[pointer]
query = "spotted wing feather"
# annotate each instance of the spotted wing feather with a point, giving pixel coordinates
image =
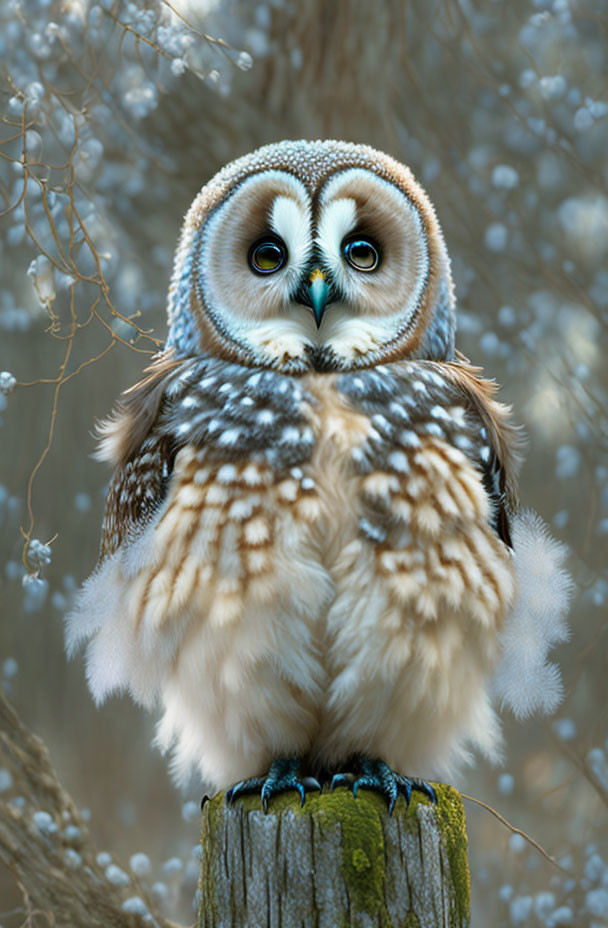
(136, 491)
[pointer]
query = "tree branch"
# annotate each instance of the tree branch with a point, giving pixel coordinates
(48, 848)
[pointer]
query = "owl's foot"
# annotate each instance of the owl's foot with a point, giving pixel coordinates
(284, 775)
(376, 775)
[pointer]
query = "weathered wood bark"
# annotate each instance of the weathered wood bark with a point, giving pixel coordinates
(337, 861)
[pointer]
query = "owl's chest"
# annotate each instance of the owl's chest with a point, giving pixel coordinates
(334, 483)
(339, 432)
(328, 458)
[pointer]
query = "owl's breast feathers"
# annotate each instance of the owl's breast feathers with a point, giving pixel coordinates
(416, 459)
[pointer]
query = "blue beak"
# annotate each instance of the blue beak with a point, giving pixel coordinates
(319, 294)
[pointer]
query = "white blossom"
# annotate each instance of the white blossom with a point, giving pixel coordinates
(496, 236)
(135, 905)
(140, 864)
(505, 177)
(116, 876)
(7, 382)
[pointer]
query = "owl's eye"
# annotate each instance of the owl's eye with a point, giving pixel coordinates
(362, 253)
(267, 255)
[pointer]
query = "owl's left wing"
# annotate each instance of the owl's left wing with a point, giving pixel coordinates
(525, 680)
(502, 442)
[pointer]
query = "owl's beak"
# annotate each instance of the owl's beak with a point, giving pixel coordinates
(318, 290)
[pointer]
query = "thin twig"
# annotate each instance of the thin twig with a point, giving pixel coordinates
(516, 831)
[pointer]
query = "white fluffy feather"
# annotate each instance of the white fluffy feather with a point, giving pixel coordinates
(338, 218)
(119, 659)
(525, 680)
(290, 220)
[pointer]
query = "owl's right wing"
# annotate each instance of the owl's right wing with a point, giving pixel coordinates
(142, 456)
(207, 458)
(143, 459)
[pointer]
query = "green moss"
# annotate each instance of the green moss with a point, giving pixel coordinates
(411, 921)
(363, 855)
(360, 860)
(211, 825)
(452, 825)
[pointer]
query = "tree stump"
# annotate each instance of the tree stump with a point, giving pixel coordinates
(336, 862)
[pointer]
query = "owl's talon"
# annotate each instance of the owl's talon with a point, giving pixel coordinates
(377, 775)
(243, 787)
(423, 787)
(311, 784)
(282, 777)
(341, 779)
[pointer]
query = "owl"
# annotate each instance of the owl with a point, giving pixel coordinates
(313, 559)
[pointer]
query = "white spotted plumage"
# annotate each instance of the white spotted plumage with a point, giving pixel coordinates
(306, 545)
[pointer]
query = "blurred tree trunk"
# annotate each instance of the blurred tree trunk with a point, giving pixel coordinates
(330, 71)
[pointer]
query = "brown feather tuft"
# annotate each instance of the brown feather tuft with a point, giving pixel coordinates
(123, 431)
(507, 440)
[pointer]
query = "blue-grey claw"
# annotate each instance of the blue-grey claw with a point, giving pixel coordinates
(377, 775)
(341, 779)
(282, 777)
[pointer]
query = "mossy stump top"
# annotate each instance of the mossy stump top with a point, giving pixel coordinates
(336, 862)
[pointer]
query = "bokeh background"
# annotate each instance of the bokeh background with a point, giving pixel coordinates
(113, 116)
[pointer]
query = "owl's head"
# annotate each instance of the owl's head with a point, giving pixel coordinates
(312, 255)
